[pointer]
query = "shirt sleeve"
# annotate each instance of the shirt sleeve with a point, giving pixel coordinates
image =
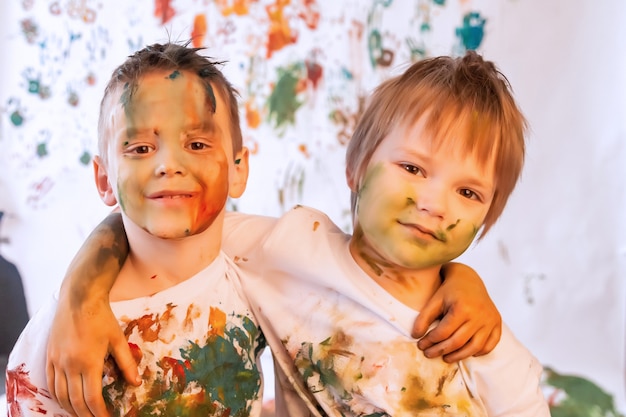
(26, 383)
(243, 233)
(508, 380)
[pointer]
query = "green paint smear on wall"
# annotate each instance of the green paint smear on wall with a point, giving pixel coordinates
(583, 398)
(283, 102)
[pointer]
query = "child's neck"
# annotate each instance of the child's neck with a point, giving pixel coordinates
(412, 287)
(155, 264)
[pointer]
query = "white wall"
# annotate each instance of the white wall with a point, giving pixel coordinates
(556, 262)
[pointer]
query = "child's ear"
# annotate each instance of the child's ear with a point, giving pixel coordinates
(239, 176)
(102, 182)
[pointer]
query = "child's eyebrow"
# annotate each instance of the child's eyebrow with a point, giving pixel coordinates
(479, 182)
(131, 131)
(207, 125)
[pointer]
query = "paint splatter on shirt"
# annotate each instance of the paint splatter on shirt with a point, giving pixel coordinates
(351, 341)
(196, 344)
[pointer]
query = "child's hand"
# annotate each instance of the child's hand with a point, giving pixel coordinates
(84, 329)
(471, 324)
(79, 341)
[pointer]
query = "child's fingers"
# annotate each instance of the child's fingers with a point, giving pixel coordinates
(60, 391)
(445, 342)
(454, 323)
(89, 395)
(491, 342)
(428, 314)
(124, 359)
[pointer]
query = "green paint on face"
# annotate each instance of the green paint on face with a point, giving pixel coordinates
(453, 225)
(209, 91)
(237, 161)
(441, 235)
(174, 75)
(120, 197)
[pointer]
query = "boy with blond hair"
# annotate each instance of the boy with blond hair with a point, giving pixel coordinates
(337, 310)
(431, 164)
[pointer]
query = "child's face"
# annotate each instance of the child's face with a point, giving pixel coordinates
(170, 160)
(420, 205)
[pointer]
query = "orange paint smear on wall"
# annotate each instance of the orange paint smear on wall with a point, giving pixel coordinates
(280, 34)
(199, 30)
(238, 7)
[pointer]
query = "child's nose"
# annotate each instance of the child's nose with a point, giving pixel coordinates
(169, 162)
(433, 201)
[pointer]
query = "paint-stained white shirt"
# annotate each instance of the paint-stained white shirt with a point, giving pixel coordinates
(197, 345)
(350, 340)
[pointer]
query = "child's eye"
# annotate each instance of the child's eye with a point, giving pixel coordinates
(467, 193)
(141, 149)
(198, 146)
(412, 169)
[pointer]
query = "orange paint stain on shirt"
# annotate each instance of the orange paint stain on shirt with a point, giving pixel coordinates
(217, 322)
(147, 326)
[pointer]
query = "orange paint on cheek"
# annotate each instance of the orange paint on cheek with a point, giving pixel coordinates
(215, 190)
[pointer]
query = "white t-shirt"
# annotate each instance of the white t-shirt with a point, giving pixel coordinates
(197, 346)
(351, 341)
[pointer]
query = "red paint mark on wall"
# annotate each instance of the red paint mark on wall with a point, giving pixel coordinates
(163, 10)
(310, 13)
(314, 72)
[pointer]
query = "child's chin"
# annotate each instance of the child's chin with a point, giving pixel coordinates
(171, 234)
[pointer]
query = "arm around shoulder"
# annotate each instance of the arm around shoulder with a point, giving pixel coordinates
(508, 380)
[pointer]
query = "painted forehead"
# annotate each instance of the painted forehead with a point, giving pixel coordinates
(129, 88)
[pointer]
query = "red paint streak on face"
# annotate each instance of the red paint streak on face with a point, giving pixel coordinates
(153, 277)
(21, 390)
(216, 194)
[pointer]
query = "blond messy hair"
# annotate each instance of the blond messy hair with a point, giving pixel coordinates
(467, 104)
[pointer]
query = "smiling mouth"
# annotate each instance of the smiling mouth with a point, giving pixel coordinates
(173, 197)
(424, 231)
